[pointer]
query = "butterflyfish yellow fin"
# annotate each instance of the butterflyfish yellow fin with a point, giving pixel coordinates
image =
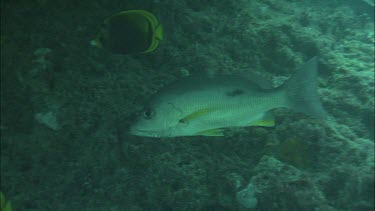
(211, 132)
(156, 27)
(154, 44)
(157, 31)
(141, 18)
(159, 35)
(196, 114)
(133, 12)
(150, 17)
(268, 120)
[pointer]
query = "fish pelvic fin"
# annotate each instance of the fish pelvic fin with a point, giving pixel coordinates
(196, 114)
(268, 120)
(301, 90)
(211, 132)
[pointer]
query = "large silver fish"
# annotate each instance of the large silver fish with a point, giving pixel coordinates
(205, 105)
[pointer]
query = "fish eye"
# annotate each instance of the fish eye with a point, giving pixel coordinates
(148, 114)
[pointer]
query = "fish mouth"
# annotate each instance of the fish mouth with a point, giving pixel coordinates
(146, 133)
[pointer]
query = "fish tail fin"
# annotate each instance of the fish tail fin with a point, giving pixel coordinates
(301, 90)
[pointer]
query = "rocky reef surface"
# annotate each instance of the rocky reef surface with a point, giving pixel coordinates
(66, 107)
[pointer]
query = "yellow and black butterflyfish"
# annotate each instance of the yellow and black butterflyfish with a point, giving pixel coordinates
(131, 31)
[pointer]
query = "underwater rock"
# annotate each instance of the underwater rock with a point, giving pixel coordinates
(286, 186)
(48, 119)
(246, 197)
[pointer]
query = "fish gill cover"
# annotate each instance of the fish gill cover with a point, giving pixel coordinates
(66, 107)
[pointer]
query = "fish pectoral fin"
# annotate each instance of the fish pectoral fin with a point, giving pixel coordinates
(211, 132)
(196, 114)
(268, 120)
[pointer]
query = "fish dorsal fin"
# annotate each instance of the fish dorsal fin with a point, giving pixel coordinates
(259, 80)
(267, 120)
(252, 77)
(211, 132)
(196, 114)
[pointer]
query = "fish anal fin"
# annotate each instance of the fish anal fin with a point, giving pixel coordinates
(211, 132)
